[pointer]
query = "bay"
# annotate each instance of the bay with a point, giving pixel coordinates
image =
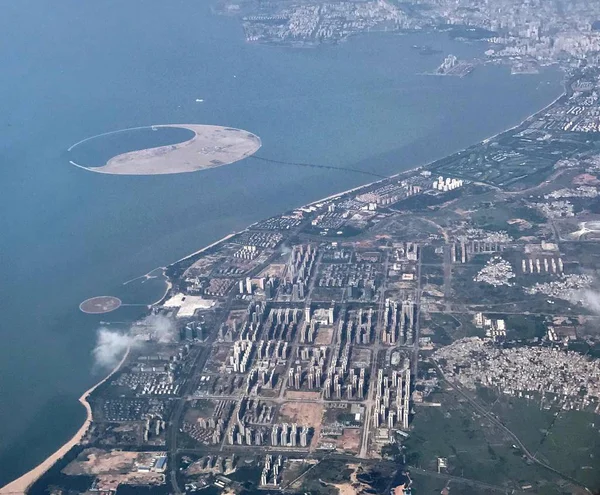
(72, 69)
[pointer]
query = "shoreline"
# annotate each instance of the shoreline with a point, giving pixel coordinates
(169, 285)
(431, 162)
(206, 248)
(369, 184)
(487, 140)
(24, 482)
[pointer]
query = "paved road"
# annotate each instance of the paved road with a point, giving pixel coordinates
(417, 324)
(374, 353)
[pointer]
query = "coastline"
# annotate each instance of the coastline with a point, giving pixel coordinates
(431, 162)
(23, 483)
(206, 248)
(369, 184)
(487, 140)
(169, 285)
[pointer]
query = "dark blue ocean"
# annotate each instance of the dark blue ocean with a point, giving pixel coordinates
(71, 69)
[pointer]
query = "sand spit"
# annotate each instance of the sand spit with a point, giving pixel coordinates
(212, 146)
(22, 484)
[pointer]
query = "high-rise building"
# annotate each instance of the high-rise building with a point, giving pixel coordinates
(284, 434)
(293, 435)
(304, 437)
(327, 388)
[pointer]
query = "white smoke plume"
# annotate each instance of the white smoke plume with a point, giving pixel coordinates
(590, 299)
(112, 344)
(110, 347)
(159, 328)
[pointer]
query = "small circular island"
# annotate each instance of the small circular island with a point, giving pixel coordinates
(211, 146)
(100, 305)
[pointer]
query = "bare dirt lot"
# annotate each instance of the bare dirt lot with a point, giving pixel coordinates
(304, 413)
(115, 467)
(273, 270)
(324, 336)
(350, 440)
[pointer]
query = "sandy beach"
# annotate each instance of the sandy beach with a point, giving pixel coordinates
(169, 286)
(22, 484)
(200, 251)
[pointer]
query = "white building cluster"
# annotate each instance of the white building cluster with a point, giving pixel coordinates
(494, 328)
(325, 22)
(447, 184)
(542, 265)
(566, 378)
(496, 272)
(567, 287)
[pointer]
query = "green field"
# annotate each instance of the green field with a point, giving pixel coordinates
(566, 440)
(474, 447)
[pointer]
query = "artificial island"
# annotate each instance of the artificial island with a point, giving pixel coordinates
(100, 305)
(436, 327)
(211, 146)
